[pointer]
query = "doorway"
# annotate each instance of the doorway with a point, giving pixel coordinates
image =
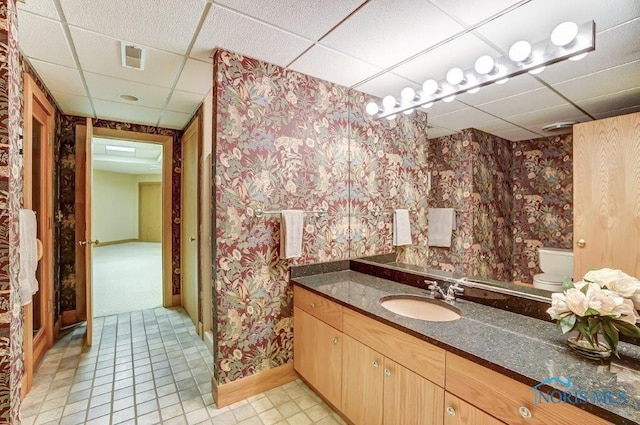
(126, 220)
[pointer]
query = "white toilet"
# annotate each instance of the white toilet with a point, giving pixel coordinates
(556, 265)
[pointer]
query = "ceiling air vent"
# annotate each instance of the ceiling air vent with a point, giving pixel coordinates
(132, 56)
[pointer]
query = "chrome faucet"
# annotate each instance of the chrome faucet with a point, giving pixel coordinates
(438, 293)
(453, 291)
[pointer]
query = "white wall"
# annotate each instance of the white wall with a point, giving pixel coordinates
(115, 206)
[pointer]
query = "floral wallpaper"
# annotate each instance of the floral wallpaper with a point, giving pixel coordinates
(11, 367)
(66, 141)
(282, 140)
(543, 200)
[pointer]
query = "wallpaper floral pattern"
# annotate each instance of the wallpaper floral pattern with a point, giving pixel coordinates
(11, 367)
(282, 140)
(66, 141)
(543, 200)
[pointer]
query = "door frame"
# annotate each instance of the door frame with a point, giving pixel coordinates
(168, 299)
(32, 94)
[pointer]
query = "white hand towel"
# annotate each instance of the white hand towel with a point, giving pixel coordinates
(291, 225)
(28, 255)
(442, 222)
(401, 228)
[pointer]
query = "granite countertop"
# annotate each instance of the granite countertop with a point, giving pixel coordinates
(527, 349)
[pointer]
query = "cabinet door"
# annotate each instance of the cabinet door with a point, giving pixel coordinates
(409, 399)
(606, 195)
(317, 355)
(459, 412)
(361, 383)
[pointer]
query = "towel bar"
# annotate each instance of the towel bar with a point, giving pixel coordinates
(259, 212)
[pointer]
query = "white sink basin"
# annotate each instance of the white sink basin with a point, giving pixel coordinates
(421, 308)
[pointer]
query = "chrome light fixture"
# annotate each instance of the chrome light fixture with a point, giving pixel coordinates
(567, 41)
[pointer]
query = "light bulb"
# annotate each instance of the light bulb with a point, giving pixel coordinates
(502, 81)
(449, 98)
(408, 112)
(455, 76)
(484, 65)
(564, 34)
(372, 108)
(520, 51)
(389, 102)
(391, 117)
(427, 105)
(537, 70)
(407, 94)
(578, 57)
(472, 91)
(430, 87)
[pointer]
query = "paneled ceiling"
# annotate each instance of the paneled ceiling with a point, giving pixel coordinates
(374, 46)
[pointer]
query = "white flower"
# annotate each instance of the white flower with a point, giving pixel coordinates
(558, 306)
(603, 301)
(627, 312)
(604, 276)
(577, 302)
(625, 286)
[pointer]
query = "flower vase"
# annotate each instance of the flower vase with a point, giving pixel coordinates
(599, 350)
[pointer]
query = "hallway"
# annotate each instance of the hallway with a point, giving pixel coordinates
(149, 367)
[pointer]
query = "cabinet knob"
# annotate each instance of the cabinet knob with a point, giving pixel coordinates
(313, 305)
(451, 411)
(335, 340)
(375, 364)
(387, 372)
(524, 412)
(581, 243)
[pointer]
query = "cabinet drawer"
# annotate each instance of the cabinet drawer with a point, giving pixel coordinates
(318, 306)
(503, 397)
(413, 353)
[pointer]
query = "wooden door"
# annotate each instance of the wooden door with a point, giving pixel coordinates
(459, 412)
(189, 224)
(410, 399)
(38, 196)
(362, 381)
(84, 273)
(606, 195)
(317, 355)
(150, 212)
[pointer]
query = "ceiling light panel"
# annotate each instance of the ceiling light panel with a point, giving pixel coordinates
(384, 36)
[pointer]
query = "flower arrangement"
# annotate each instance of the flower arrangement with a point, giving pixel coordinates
(604, 302)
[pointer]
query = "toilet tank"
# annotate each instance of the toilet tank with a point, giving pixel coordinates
(556, 261)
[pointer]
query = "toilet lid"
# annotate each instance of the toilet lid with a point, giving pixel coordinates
(547, 279)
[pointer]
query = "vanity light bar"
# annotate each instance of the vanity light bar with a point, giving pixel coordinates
(543, 53)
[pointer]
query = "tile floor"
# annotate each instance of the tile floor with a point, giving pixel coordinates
(149, 367)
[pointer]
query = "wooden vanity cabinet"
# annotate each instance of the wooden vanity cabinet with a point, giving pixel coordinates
(459, 412)
(317, 350)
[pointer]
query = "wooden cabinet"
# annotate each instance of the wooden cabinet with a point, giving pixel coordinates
(459, 412)
(317, 350)
(606, 194)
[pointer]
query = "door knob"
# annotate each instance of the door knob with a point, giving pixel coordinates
(83, 243)
(581, 243)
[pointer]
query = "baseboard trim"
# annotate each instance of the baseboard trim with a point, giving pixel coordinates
(56, 328)
(69, 317)
(243, 388)
(176, 301)
(118, 242)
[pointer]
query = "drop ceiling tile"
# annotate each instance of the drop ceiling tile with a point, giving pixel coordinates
(123, 112)
(109, 88)
(534, 21)
(344, 70)
(72, 104)
(493, 92)
(472, 12)
(46, 8)
(383, 35)
(435, 132)
(386, 84)
(308, 19)
(461, 52)
(612, 101)
(59, 78)
(535, 120)
(30, 37)
(617, 112)
(182, 101)
(196, 77)
(610, 52)
(101, 55)
(441, 108)
(248, 37)
(496, 126)
(522, 103)
(601, 83)
(517, 134)
(163, 25)
(461, 119)
(175, 120)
